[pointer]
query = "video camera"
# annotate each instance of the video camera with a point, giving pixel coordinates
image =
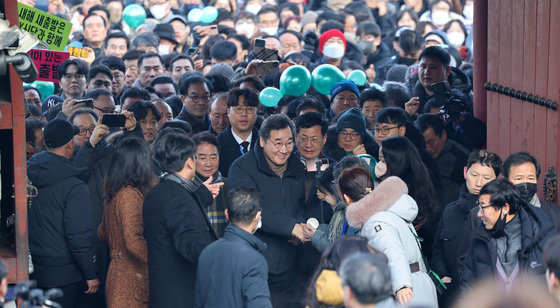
(35, 297)
(451, 107)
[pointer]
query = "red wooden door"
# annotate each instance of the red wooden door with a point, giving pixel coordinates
(522, 42)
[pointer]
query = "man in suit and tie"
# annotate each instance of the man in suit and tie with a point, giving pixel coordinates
(241, 135)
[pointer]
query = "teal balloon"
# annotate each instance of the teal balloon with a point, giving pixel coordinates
(46, 88)
(324, 76)
(358, 77)
(270, 97)
(195, 15)
(209, 14)
(134, 15)
(295, 80)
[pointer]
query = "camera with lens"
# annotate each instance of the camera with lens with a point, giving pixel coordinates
(35, 297)
(450, 106)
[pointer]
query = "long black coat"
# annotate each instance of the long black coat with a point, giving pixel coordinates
(230, 150)
(176, 229)
(536, 229)
(59, 222)
(452, 238)
(282, 202)
(233, 273)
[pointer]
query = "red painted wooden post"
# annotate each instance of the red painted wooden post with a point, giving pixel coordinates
(13, 117)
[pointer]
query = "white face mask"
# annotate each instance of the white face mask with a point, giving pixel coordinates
(468, 11)
(246, 29)
(440, 18)
(350, 36)
(334, 51)
(270, 31)
(159, 10)
(380, 169)
(253, 8)
(163, 49)
(456, 39)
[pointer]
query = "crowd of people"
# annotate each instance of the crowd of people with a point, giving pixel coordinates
(199, 195)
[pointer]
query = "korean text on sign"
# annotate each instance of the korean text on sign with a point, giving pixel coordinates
(47, 62)
(48, 28)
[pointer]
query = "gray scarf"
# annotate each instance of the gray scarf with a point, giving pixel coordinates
(337, 221)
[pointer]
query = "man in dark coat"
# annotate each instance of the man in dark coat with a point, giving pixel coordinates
(450, 156)
(176, 226)
(510, 239)
(59, 218)
(454, 230)
(233, 266)
(241, 135)
(195, 94)
(523, 170)
(273, 169)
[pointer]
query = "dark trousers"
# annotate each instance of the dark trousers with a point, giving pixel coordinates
(71, 293)
(284, 289)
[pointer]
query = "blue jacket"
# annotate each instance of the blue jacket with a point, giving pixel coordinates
(233, 268)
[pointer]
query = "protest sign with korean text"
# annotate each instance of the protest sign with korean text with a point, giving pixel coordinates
(48, 28)
(47, 62)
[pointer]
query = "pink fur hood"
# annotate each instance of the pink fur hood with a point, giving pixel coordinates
(380, 199)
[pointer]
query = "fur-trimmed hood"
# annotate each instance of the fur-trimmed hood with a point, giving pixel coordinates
(383, 197)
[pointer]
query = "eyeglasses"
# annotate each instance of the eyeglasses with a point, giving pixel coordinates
(482, 207)
(384, 130)
(279, 145)
(242, 110)
(305, 140)
(353, 135)
(74, 76)
(84, 131)
(197, 98)
(101, 83)
(105, 110)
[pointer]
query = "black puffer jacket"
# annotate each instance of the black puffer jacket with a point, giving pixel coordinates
(536, 229)
(59, 222)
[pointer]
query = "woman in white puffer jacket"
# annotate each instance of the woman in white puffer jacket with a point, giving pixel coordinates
(385, 217)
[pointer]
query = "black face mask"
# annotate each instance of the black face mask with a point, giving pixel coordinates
(499, 227)
(526, 190)
(405, 61)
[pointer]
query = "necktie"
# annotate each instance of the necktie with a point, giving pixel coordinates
(245, 146)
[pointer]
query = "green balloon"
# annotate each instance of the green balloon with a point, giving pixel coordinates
(270, 97)
(324, 76)
(295, 80)
(195, 15)
(46, 88)
(209, 14)
(358, 77)
(134, 15)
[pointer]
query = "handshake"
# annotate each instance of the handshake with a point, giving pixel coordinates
(303, 232)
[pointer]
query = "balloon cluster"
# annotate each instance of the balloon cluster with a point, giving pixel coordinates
(296, 80)
(206, 15)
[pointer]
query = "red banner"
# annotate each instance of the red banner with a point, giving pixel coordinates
(47, 62)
